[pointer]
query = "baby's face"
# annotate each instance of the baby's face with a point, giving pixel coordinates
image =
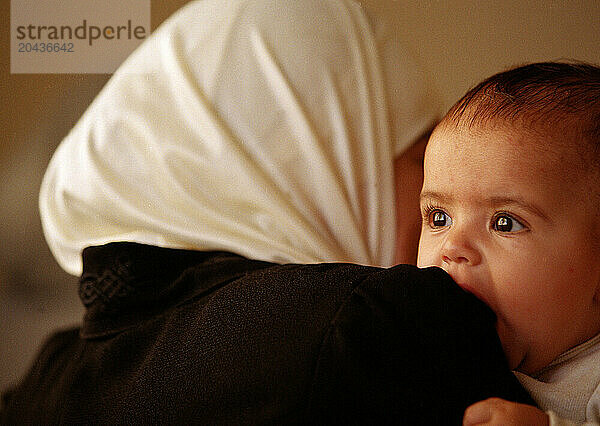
(515, 224)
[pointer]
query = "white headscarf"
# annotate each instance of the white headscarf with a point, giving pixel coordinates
(266, 128)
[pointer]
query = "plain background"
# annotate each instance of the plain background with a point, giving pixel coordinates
(458, 42)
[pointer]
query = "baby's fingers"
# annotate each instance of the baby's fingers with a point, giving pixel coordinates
(478, 413)
(496, 411)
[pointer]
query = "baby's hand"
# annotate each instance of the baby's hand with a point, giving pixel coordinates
(496, 411)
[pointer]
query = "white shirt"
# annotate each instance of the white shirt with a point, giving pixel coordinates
(569, 388)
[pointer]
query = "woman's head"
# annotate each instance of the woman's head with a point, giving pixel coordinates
(262, 127)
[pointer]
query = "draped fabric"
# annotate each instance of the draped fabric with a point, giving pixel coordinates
(266, 128)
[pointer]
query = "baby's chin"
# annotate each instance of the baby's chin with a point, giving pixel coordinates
(514, 351)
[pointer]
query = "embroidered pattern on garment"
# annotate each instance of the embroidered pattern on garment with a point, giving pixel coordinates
(114, 283)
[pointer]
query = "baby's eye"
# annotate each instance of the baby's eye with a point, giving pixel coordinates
(439, 219)
(506, 223)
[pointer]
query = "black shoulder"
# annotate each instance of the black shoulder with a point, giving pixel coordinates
(409, 345)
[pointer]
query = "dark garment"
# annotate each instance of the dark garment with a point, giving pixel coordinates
(174, 336)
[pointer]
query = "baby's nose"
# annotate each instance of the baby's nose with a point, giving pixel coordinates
(458, 248)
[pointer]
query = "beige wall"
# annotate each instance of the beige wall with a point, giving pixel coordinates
(464, 41)
(459, 42)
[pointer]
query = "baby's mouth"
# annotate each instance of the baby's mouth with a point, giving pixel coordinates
(464, 280)
(473, 290)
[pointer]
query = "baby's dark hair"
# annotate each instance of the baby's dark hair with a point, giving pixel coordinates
(539, 96)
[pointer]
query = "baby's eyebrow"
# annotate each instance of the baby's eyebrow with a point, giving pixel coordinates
(519, 202)
(435, 196)
(495, 201)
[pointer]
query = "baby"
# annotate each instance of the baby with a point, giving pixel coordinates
(511, 210)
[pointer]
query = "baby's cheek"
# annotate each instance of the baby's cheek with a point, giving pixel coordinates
(425, 254)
